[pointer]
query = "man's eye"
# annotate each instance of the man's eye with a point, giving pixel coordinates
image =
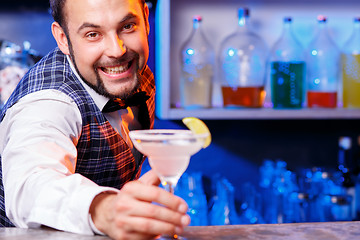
(129, 26)
(92, 35)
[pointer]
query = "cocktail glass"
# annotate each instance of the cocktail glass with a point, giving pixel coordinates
(168, 152)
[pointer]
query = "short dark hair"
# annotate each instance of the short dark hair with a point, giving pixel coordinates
(57, 12)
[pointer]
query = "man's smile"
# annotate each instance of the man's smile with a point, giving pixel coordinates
(115, 70)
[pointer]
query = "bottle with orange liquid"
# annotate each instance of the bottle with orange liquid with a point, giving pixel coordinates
(242, 61)
(323, 60)
(350, 62)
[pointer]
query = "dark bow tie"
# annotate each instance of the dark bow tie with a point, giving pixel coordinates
(134, 100)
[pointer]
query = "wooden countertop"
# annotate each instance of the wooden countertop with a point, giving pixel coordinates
(293, 231)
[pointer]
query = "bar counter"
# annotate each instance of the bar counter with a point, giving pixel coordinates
(293, 231)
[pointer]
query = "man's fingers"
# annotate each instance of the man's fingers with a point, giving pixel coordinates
(154, 194)
(153, 211)
(139, 210)
(150, 178)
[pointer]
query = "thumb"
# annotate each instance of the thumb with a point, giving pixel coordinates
(150, 178)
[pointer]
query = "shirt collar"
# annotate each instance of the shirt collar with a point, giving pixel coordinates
(99, 100)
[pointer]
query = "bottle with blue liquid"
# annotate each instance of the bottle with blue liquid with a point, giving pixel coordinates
(197, 69)
(287, 76)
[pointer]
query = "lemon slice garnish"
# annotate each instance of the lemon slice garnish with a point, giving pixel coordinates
(198, 127)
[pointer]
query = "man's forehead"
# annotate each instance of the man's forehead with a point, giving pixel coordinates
(74, 6)
(91, 10)
(85, 3)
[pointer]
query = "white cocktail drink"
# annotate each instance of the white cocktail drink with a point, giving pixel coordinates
(168, 151)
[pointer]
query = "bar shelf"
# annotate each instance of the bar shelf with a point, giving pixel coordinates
(173, 25)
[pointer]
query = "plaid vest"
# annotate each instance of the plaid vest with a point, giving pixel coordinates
(103, 156)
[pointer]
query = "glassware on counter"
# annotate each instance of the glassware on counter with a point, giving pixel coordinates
(242, 61)
(345, 159)
(336, 208)
(350, 61)
(250, 205)
(323, 65)
(223, 210)
(190, 188)
(287, 76)
(14, 63)
(197, 69)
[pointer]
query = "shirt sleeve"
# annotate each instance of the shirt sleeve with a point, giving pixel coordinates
(38, 138)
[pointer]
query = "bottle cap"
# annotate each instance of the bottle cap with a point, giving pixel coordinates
(287, 19)
(243, 12)
(197, 18)
(322, 18)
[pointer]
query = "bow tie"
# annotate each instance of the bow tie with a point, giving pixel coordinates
(134, 100)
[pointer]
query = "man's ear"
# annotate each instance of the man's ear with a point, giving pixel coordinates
(60, 38)
(146, 13)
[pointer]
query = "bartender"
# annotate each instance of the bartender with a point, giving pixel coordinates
(67, 161)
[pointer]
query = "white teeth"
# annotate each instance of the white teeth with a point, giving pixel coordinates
(116, 70)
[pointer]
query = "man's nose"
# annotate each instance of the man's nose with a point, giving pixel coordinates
(116, 47)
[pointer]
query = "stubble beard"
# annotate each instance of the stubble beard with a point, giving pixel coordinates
(100, 87)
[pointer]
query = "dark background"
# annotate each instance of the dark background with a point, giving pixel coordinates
(25, 5)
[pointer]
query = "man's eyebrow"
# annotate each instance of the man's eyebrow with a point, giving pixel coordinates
(91, 25)
(128, 17)
(87, 25)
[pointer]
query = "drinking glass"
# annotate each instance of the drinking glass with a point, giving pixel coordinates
(168, 152)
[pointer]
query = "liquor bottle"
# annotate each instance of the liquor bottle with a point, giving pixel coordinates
(323, 61)
(197, 69)
(357, 180)
(346, 167)
(14, 63)
(242, 60)
(350, 61)
(269, 198)
(190, 188)
(223, 210)
(287, 76)
(345, 160)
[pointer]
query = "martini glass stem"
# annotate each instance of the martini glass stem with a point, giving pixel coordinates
(169, 187)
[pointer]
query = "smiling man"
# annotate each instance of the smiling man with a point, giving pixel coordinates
(67, 161)
(107, 50)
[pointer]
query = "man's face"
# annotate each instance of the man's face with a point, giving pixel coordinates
(108, 43)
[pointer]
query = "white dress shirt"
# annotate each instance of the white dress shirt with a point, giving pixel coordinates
(38, 138)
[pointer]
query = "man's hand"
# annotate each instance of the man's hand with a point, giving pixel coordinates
(130, 214)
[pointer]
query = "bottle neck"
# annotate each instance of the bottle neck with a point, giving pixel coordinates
(357, 24)
(352, 45)
(322, 26)
(288, 34)
(322, 30)
(287, 28)
(356, 28)
(243, 21)
(196, 25)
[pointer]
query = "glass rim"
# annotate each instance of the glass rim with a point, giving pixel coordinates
(165, 134)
